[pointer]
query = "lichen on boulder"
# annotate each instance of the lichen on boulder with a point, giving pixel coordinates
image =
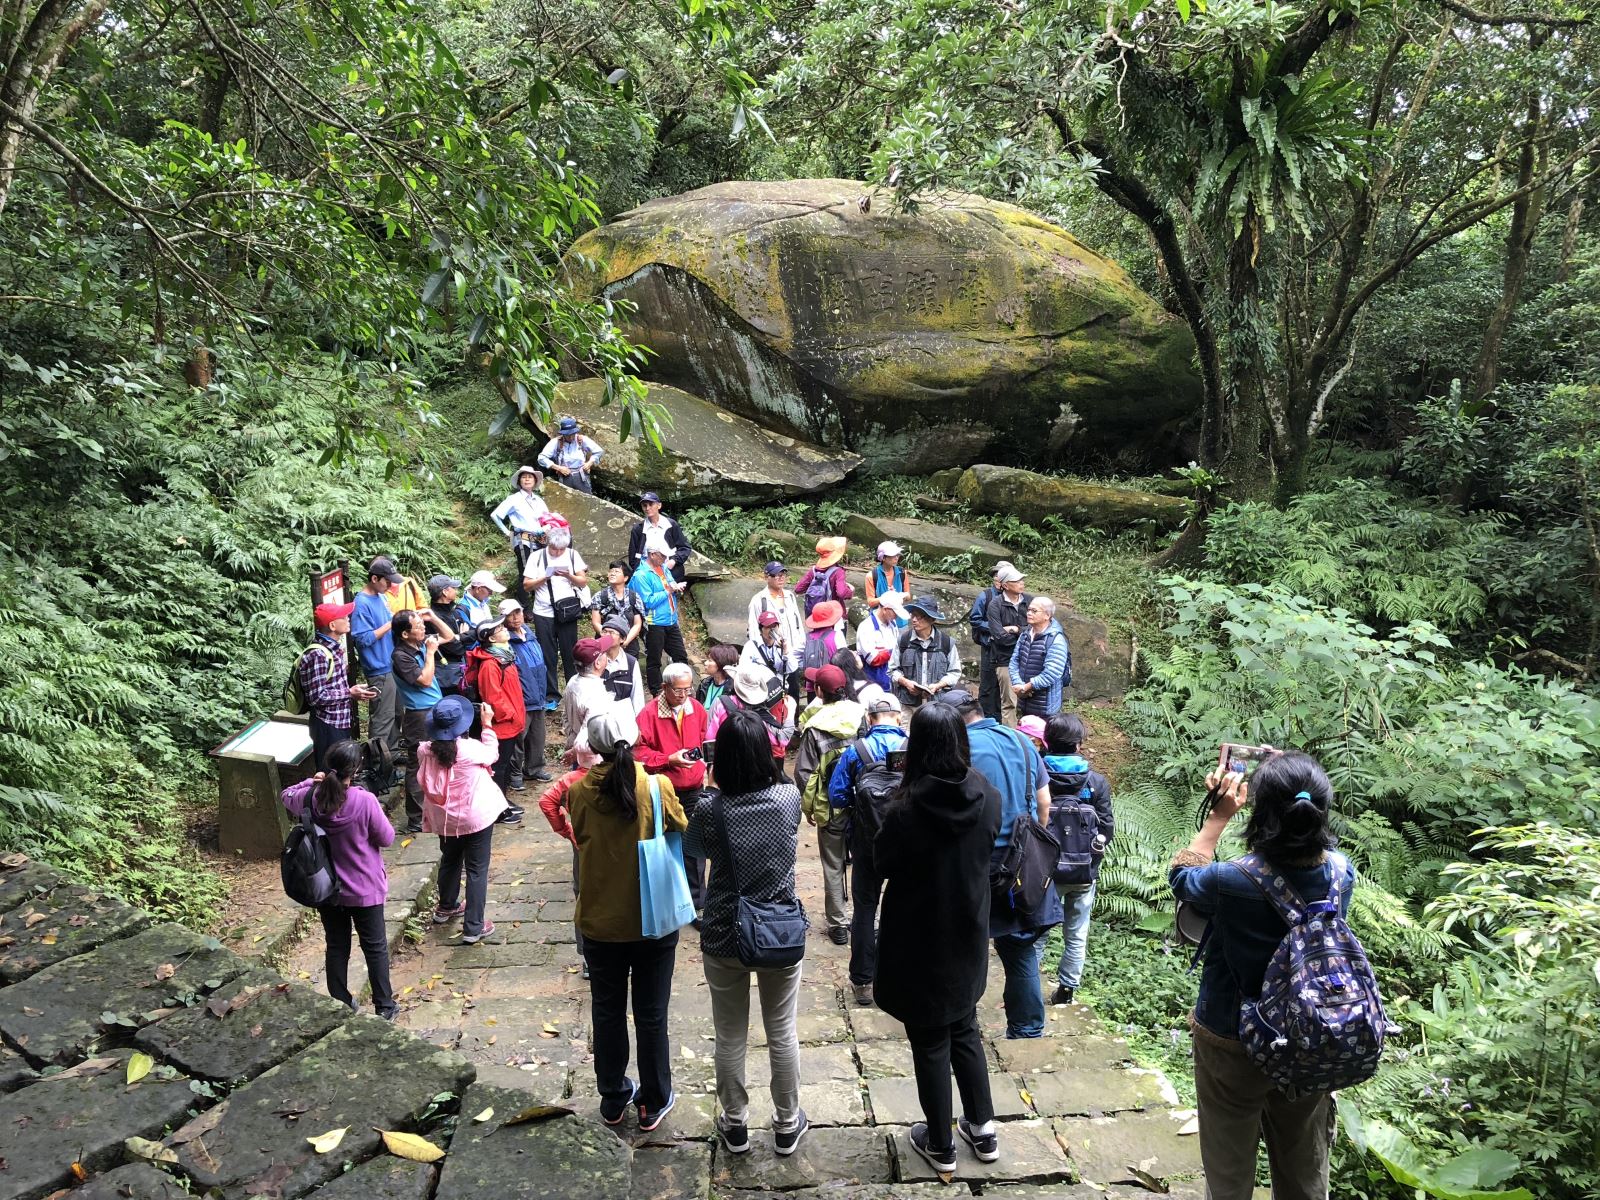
(919, 339)
(1032, 497)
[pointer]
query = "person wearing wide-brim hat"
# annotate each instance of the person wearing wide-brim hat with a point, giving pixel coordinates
(823, 637)
(761, 691)
(461, 803)
(517, 516)
(571, 455)
(926, 661)
(887, 576)
(825, 580)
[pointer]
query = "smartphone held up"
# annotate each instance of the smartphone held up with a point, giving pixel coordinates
(1242, 759)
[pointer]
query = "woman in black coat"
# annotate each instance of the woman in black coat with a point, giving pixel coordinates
(932, 852)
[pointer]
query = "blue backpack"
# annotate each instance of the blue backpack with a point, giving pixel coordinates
(1318, 1024)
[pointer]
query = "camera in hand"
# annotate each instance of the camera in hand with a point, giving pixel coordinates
(708, 751)
(895, 760)
(1242, 759)
(693, 754)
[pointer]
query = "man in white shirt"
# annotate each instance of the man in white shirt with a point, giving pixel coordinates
(878, 638)
(790, 632)
(556, 580)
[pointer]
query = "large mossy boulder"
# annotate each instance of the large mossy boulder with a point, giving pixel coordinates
(921, 339)
(707, 454)
(600, 532)
(931, 543)
(1032, 497)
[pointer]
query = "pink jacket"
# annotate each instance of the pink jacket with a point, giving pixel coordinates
(462, 798)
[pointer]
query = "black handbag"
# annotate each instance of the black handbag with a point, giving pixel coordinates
(567, 609)
(1020, 879)
(770, 933)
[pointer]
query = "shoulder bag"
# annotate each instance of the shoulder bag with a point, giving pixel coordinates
(664, 903)
(771, 934)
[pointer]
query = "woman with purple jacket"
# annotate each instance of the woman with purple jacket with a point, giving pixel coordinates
(357, 832)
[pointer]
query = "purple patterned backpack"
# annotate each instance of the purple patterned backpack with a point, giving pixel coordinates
(1319, 1023)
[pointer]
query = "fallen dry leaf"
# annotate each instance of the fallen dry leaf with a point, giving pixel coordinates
(1190, 1127)
(166, 971)
(33, 918)
(410, 1146)
(537, 1113)
(1027, 1097)
(149, 1151)
(407, 842)
(1148, 1181)
(77, 921)
(32, 1012)
(48, 939)
(139, 1066)
(493, 1037)
(8, 940)
(89, 1066)
(13, 860)
(485, 1115)
(324, 1143)
(78, 1173)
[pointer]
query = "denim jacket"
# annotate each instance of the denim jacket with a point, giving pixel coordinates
(1245, 929)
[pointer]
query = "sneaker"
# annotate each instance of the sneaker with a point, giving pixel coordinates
(514, 784)
(585, 970)
(863, 993)
(650, 1120)
(472, 939)
(942, 1160)
(787, 1141)
(552, 706)
(736, 1138)
(413, 827)
(840, 935)
(443, 916)
(615, 1118)
(985, 1145)
(1062, 995)
(542, 776)
(511, 816)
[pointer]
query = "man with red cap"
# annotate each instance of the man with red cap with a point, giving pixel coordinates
(325, 681)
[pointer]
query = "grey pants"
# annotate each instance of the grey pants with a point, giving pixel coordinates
(528, 750)
(1008, 698)
(831, 843)
(729, 982)
(1238, 1107)
(383, 709)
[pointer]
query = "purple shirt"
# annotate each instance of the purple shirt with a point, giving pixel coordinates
(357, 834)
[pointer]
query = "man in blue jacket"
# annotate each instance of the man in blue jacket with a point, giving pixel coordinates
(658, 592)
(370, 630)
(1013, 768)
(866, 885)
(528, 753)
(1041, 663)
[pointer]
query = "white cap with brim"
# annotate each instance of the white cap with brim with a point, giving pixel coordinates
(486, 579)
(611, 730)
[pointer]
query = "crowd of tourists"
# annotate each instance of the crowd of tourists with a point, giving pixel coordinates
(947, 820)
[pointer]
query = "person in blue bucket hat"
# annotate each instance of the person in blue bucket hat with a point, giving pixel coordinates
(571, 455)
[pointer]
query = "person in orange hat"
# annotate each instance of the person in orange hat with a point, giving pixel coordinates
(826, 581)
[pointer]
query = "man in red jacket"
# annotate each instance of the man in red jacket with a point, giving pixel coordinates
(671, 730)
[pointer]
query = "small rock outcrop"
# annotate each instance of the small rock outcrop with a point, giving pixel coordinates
(1032, 497)
(707, 454)
(919, 339)
(600, 533)
(931, 543)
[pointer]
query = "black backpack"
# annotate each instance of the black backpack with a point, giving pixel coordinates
(876, 786)
(1076, 825)
(307, 863)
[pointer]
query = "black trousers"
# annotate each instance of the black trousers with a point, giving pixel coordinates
(648, 963)
(866, 887)
(988, 685)
(695, 868)
(472, 852)
(324, 737)
(413, 732)
(367, 921)
(556, 636)
(935, 1051)
(656, 639)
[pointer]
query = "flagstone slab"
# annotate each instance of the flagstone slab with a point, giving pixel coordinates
(82, 1118)
(894, 1101)
(872, 1024)
(816, 1064)
(56, 1014)
(1027, 1055)
(264, 1020)
(364, 1076)
(1103, 1148)
(567, 1158)
(864, 1191)
(18, 884)
(824, 1156)
(136, 1181)
(14, 1070)
(1029, 1153)
(383, 1178)
(500, 953)
(1097, 1091)
(681, 1172)
(59, 923)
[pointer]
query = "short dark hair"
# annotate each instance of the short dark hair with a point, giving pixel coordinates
(403, 620)
(849, 662)
(618, 564)
(744, 755)
(1290, 798)
(1063, 733)
(723, 655)
(937, 744)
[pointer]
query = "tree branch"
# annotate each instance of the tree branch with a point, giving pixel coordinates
(1500, 20)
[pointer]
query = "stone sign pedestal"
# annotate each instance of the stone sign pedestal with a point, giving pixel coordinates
(253, 767)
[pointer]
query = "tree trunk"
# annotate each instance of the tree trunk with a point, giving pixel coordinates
(1525, 215)
(1237, 417)
(34, 39)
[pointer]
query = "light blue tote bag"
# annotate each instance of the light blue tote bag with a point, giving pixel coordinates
(664, 903)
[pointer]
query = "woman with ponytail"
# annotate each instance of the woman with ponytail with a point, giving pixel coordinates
(612, 812)
(1288, 832)
(461, 802)
(357, 832)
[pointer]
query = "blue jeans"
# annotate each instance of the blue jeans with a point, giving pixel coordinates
(1023, 1000)
(1074, 936)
